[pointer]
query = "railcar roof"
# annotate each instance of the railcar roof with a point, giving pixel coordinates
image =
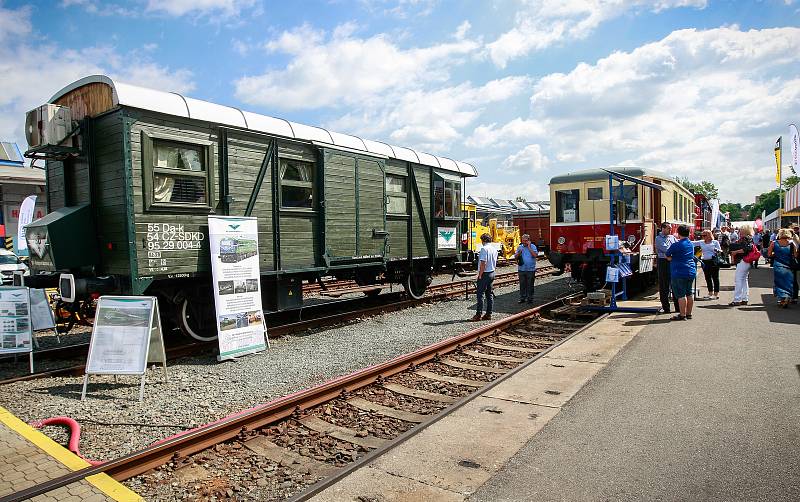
(172, 103)
(600, 174)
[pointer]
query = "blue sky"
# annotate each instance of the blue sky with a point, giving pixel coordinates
(522, 89)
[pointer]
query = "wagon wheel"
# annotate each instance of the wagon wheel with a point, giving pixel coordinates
(85, 312)
(415, 285)
(196, 318)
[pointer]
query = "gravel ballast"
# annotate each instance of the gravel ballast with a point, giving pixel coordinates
(201, 390)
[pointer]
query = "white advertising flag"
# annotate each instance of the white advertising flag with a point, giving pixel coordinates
(26, 210)
(715, 213)
(794, 139)
(237, 285)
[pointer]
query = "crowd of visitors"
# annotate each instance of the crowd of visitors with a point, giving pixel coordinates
(742, 248)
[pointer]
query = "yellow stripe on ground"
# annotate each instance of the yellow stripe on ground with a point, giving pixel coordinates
(103, 482)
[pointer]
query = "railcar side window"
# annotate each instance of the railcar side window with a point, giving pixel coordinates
(396, 195)
(595, 193)
(567, 206)
(630, 194)
(179, 173)
(297, 184)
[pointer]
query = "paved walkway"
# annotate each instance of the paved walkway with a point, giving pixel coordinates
(707, 409)
(635, 408)
(29, 458)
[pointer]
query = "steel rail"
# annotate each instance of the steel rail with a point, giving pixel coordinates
(437, 292)
(230, 427)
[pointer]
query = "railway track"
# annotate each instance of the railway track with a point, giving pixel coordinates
(302, 443)
(321, 315)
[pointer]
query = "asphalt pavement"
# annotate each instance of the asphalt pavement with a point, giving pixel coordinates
(705, 409)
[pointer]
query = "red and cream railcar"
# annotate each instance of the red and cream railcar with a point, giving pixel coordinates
(580, 218)
(702, 214)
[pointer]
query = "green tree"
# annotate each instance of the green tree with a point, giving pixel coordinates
(704, 187)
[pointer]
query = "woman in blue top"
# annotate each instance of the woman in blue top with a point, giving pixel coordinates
(782, 251)
(710, 248)
(682, 271)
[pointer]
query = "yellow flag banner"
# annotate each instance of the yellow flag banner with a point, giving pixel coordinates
(778, 161)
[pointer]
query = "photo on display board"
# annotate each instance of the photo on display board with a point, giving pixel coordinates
(240, 287)
(252, 285)
(134, 317)
(225, 287)
(234, 250)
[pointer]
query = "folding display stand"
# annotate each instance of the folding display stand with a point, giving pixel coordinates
(618, 259)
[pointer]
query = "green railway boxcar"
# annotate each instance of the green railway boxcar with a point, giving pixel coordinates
(129, 191)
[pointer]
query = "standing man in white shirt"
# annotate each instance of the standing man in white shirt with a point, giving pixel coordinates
(487, 262)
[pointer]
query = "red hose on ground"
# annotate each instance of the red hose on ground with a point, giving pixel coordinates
(74, 437)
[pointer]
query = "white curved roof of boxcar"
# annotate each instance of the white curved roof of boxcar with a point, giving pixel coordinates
(172, 103)
(599, 174)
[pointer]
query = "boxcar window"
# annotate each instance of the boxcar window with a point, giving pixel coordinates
(595, 193)
(567, 205)
(446, 199)
(396, 195)
(297, 184)
(179, 173)
(438, 199)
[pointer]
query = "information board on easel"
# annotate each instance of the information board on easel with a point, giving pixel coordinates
(126, 337)
(42, 317)
(15, 322)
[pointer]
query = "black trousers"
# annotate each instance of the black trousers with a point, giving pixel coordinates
(711, 272)
(664, 286)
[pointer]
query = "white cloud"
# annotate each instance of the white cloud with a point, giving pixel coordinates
(14, 23)
(517, 129)
(342, 70)
(539, 24)
(528, 159)
(703, 104)
(378, 88)
(497, 188)
(199, 7)
(428, 119)
(55, 67)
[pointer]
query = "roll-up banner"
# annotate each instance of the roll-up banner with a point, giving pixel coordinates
(26, 210)
(237, 285)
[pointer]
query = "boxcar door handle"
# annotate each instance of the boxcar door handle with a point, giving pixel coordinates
(379, 234)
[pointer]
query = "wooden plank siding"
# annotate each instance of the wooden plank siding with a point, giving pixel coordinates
(422, 175)
(164, 251)
(340, 205)
(109, 198)
(245, 155)
(371, 207)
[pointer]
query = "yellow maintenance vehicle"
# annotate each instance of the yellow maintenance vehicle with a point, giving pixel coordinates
(505, 236)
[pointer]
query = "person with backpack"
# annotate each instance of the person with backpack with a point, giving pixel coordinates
(784, 253)
(725, 244)
(526, 258)
(743, 252)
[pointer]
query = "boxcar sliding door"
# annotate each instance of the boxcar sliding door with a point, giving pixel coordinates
(355, 221)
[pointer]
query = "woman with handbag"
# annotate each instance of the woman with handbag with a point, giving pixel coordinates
(784, 254)
(741, 253)
(711, 250)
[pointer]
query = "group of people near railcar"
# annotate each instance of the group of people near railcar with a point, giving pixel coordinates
(679, 258)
